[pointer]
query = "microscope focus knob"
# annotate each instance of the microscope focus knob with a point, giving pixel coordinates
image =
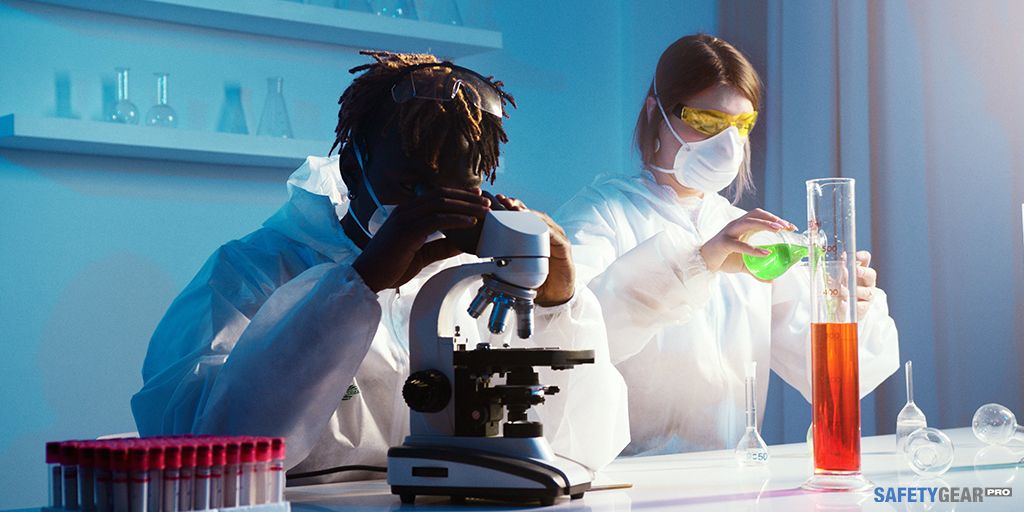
(427, 391)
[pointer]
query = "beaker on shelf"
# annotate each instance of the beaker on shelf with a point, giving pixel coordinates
(161, 114)
(232, 116)
(274, 118)
(124, 110)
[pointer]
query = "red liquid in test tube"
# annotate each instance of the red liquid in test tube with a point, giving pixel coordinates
(138, 475)
(172, 477)
(277, 476)
(69, 466)
(119, 477)
(155, 454)
(55, 478)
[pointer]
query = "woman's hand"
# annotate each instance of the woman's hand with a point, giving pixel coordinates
(561, 282)
(866, 280)
(725, 250)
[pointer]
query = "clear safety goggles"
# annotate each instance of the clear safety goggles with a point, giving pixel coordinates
(713, 122)
(443, 81)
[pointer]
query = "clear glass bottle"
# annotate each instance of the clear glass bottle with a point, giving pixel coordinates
(274, 119)
(232, 116)
(161, 114)
(124, 111)
(439, 11)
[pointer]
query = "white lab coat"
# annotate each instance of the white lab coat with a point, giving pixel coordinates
(681, 335)
(278, 335)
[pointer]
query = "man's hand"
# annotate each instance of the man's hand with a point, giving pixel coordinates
(561, 282)
(866, 280)
(398, 252)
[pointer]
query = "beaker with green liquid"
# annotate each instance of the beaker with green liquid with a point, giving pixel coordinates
(787, 249)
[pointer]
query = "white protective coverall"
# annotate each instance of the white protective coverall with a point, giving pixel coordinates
(680, 334)
(279, 335)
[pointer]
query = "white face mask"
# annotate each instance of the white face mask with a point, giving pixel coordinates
(383, 211)
(709, 165)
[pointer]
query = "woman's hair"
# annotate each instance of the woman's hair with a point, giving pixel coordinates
(687, 67)
(427, 127)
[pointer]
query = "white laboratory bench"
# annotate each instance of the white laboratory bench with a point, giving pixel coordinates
(711, 481)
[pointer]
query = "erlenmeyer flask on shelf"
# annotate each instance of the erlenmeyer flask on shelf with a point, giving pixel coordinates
(161, 114)
(232, 116)
(124, 111)
(274, 119)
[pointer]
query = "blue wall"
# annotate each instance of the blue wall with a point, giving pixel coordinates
(94, 249)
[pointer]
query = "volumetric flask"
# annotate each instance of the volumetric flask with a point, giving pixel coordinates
(835, 383)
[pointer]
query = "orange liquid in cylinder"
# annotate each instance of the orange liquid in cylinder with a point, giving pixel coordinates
(835, 397)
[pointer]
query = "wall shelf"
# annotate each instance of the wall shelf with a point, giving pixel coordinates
(127, 141)
(291, 20)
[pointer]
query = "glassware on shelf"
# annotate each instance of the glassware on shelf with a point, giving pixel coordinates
(124, 111)
(232, 116)
(395, 8)
(62, 96)
(161, 114)
(355, 5)
(274, 119)
(439, 11)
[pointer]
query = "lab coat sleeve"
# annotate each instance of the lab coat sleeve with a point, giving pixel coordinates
(276, 368)
(587, 420)
(660, 282)
(877, 338)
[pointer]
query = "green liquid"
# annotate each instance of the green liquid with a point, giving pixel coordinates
(775, 264)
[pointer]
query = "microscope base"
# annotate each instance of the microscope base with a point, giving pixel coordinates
(461, 474)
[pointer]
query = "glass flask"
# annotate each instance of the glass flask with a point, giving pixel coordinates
(124, 111)
(929, 452)
(439, 11)
(161, 114)
(787, 249)
(911, 417)
(995, 424)
(232, 116)
(835, 382)
(751, 450)
(395, 8)
(274, 119)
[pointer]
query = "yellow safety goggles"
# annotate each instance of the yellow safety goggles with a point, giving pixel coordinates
(713, 122)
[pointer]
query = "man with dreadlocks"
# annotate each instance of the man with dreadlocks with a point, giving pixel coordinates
(300, 329)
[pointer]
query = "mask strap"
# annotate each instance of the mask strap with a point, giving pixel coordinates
(369, 189)
(657, 99)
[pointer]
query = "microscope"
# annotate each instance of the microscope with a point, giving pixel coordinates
(455, 447)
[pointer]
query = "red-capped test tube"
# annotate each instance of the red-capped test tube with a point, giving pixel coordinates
(217, 472)
(69, 466)
(277, 480)
(201, 485)
(86, 476)
(155, 455)
(187, 472)
(54, 479)
(138, 476)
(119, 477)
(232, 472)
(103, 478)
(261, 480)
(172, 477)
(247, 461)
